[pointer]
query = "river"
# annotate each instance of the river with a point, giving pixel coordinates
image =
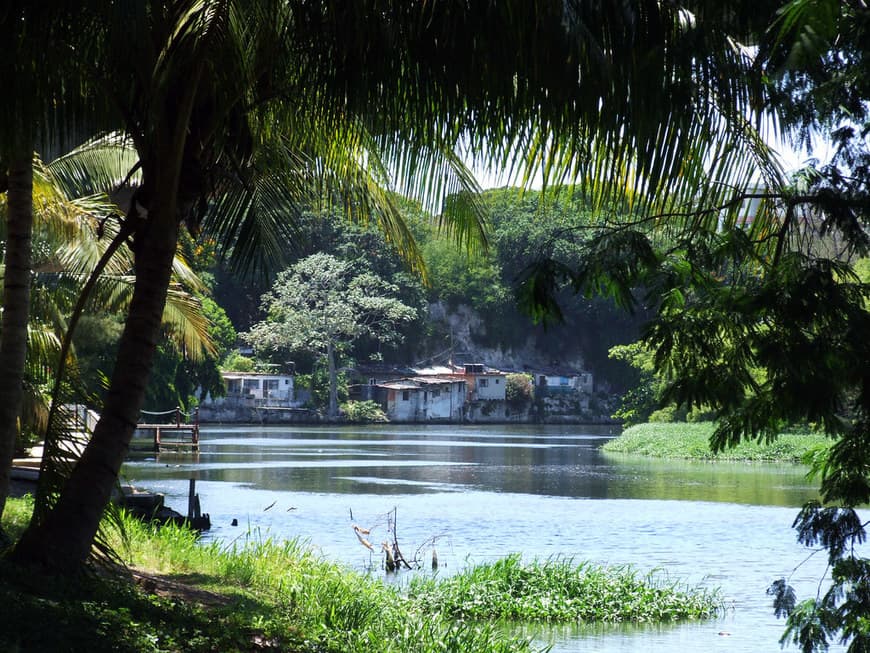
(483, 492)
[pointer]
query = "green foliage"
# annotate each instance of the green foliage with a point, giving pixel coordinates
(640, 401)
(326, 304)
(262, 590)
(692, 441)
(235, 362)
(317, 385)
(363, 412)
(518, 390)
(96, 342)
(204, 374)
(560, 590)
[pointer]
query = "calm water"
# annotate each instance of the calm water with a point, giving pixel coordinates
(485, 492)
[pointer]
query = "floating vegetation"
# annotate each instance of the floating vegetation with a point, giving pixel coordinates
(561, 590)
(692, 441)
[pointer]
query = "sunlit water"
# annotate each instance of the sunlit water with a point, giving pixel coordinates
(485, 492)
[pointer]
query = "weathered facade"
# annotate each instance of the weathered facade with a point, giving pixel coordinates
(484, 383)
(255, 397)
(559, 380)
(423, 399)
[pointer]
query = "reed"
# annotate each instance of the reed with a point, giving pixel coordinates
(560, 590)
(692, 441)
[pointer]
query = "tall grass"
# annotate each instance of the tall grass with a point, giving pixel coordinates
(692, 441)
(560, 590)
(281, 596)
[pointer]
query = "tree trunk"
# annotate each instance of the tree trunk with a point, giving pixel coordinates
(16, 309)
(61, 539)
(332, 411)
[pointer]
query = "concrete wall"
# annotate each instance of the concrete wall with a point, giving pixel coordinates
(488, 386)
(238, 414)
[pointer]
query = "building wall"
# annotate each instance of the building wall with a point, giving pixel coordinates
(264, 389)
(554, 383)
(489, 386)
(402, 405)
(426, 403)
(447, 403)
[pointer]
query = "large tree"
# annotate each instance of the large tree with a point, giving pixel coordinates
(324, 304)
(613, 95)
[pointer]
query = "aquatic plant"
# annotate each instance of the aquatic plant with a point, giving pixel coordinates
(692, 441)
(561, 590)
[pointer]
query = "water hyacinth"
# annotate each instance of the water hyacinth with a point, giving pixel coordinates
(560, 590)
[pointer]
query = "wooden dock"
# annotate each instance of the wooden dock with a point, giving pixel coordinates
(178, 435)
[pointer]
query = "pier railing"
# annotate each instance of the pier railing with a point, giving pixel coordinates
(172, 430)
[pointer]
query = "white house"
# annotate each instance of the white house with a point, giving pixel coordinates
(256, 388)
(422, 399)
(484, 383)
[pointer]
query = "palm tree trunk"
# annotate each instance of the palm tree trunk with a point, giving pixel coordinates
(61, 538)
(16, 309)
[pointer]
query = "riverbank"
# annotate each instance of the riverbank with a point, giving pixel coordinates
(691, 441)
(261, 594)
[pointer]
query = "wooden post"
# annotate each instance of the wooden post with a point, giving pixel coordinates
(196, 427)
(156, 439)
(191, 499)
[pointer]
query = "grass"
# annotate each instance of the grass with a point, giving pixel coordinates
(692, 441)
(267, 595)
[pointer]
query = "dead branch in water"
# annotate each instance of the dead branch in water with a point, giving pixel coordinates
(393, 556)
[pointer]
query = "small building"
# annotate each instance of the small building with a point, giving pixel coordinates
(375, 373)
(423, 399)
(484, 383)
(562, 380)
(259, 388)
(255, 398)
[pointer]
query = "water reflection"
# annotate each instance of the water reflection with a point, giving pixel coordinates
(491, 491)
(551, 462)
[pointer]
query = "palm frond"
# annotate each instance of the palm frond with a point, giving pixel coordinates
(188, 325)
(99, 166)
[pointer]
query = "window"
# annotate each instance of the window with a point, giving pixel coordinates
(563, 380)
(496, 381)
(406, 395)
(286, 381)
(252, 384)
(436, 394)
(483, 382)
(234, 386)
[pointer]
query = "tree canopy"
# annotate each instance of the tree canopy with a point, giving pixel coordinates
(326, 304)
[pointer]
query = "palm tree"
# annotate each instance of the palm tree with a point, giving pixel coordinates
(356, 92)
(72, 231)
(40, 93)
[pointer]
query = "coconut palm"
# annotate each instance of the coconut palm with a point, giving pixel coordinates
(359, 95)
(72, 232)
(40, 94)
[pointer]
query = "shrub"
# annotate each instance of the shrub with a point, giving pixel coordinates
(518, 390)
(363, 411)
